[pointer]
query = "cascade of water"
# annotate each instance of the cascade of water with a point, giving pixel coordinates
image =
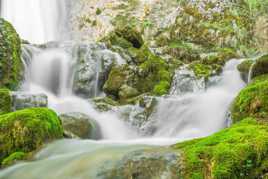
(52, 70)
(37, 21)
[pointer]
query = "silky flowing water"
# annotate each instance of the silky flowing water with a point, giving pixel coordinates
(187, 112)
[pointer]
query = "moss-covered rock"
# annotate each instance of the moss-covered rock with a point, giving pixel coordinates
(237, 152)
(27, 130)
(200, 70)
(260, 67)
(244, 69)
(145, 72)
(116, 79)
(10, 56)
(5, 101)
(252, 101)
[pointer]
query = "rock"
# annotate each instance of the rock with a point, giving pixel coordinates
(149, 164)
(22, 100)
(138, 115)
(116, 80)
(260, 67)
(10, 56)
(27, 130)
(93, 65)
(104, 104)
(244, 69)
(127, 92)
(185, 81)
(79, 125)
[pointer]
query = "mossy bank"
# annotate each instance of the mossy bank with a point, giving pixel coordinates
(27, 130)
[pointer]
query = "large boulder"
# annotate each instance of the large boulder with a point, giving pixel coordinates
(79, 125)
(10, 56)
(260, 67)
(27, 130)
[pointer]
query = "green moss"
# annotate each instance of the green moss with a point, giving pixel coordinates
(11, 159)
(260, 67)
(252, 101)
(116, 79)
(125, 37)
(161, 88)
(236, 152)
(201, 70)
(98, 11)
(5, 101)
(27, 130)
(10, 54)
(151, 74)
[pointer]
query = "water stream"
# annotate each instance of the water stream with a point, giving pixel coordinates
(55, 70)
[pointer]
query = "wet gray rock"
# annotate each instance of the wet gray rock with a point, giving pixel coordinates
(185, 81)
(21, 100)
(92, 67)
(148, 164)
(79, 125)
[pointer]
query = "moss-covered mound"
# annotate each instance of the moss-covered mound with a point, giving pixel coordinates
(260, 67)
(27, 130)
(5, 101)
(252, 101)
(10, 56)
(144, 72)
(237, 152)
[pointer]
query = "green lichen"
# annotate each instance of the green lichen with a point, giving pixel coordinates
(27, 130)
(252, 101)
(5, 101)
(10, 54)
(11, 159)
(237, 152)
(201, 70)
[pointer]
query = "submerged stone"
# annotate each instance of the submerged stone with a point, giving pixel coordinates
(79, 125)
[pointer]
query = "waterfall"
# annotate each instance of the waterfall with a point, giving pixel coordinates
(36, 21)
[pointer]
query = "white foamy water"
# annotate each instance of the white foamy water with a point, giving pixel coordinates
(37, 21)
